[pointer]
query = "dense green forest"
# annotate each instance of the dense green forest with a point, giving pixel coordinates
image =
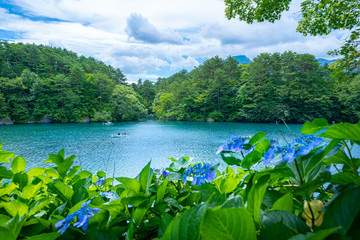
(273, 87)
(45, 83)
(40, 83)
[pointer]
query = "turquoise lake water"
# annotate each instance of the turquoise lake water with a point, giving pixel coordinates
(149, 140)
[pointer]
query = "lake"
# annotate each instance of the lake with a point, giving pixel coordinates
(149, 140)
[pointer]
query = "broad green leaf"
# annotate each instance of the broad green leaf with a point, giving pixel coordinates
(6, 233)
(145, 177)
(139, 215)
(100, 174)
(64, 190)
(343, 131)
(345, 178)
(18, 164)
(180, 163)
(227, 224)
(276, 231)
(256, 138)
(38, 205)
(338, 158)
(45, 236)
(235, 202)
(342, 210)
(173, 202)
(30, 190)
(135, 199)
(130, 232)
(8, 189)
(263, 146)
(99, 221)
(288, 219)
(130, 183)
(230, 158)
(312, 127)
(250, 159)
(15, 207)
(5, 173)
(318, 235)
(312, 185)
(80, 194)
(160, 193)
(284, 203)
(4, 219)
(34, 172)
(21, 179)
(5, 156)
(187, 225)
(51, 173)
(255, 196)
(228, 184)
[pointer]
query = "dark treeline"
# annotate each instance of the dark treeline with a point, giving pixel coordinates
(41, 82)
(273, 87)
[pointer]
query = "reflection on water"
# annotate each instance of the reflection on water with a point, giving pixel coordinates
(150, 140)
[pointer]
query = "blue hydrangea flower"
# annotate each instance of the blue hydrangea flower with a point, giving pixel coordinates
(234, 144)
(100, 182)
(289, 155)
(165, 174)
(268, 156)
(106, 194)
(200, 174)
(83, 216)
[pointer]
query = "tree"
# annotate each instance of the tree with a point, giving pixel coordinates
(319, 17)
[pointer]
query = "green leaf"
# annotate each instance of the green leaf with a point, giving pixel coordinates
(30, 190)
(276, 231)
(64, 190)
(45, 236)
(187, 225)
(342, 210)
(343, 131)
(130, 183)
(5, 173)
(21, 179)
(257, 137)
(15, 207)
(34, 172)
(80, 194)
(228, 224)
(263, 146)
(288, 219)
(145, 178)
(284, 203)
(38, 205)
(99, 221)
(229, 158)
(235, 202)
(228, 184)
(5, 156)
(318, 235)
(6, 233)
(8, 189)
(339, 158)
(51, 173)
(250, 159)
(100, 174)
(256, 195)
(345, 178)
(135, 199)
(18, 164)
(130, 232)
(173, 202)
(160, 193)
(312, 127)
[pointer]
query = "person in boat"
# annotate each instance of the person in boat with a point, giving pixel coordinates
(119, 133)
(124, 133)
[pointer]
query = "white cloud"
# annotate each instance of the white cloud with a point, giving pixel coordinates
(148, 39)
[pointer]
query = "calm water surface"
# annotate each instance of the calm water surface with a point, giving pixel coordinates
(150, 140)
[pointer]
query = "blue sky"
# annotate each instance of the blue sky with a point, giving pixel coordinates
(151, 39)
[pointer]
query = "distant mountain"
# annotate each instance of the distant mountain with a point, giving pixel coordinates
(242, 59)
(322, 61)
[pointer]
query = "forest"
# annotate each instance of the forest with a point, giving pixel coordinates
(42, 83)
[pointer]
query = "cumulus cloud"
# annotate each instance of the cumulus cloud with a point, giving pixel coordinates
(141, 29)
(151, 39)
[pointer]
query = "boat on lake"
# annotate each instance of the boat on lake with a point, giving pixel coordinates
(116, 136)
(108, 123)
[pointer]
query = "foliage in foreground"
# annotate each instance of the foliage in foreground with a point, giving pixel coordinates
(293, 196)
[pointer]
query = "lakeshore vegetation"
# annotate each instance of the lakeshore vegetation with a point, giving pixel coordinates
(41, 82)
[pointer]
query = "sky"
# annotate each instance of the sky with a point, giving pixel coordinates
(150, 39)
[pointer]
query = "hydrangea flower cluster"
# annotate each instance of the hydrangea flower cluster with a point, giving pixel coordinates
(199, 173)
(300, 147)
(100, 182)
(234, 144)
(83, 216)
(106, 194)
(165, 173)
